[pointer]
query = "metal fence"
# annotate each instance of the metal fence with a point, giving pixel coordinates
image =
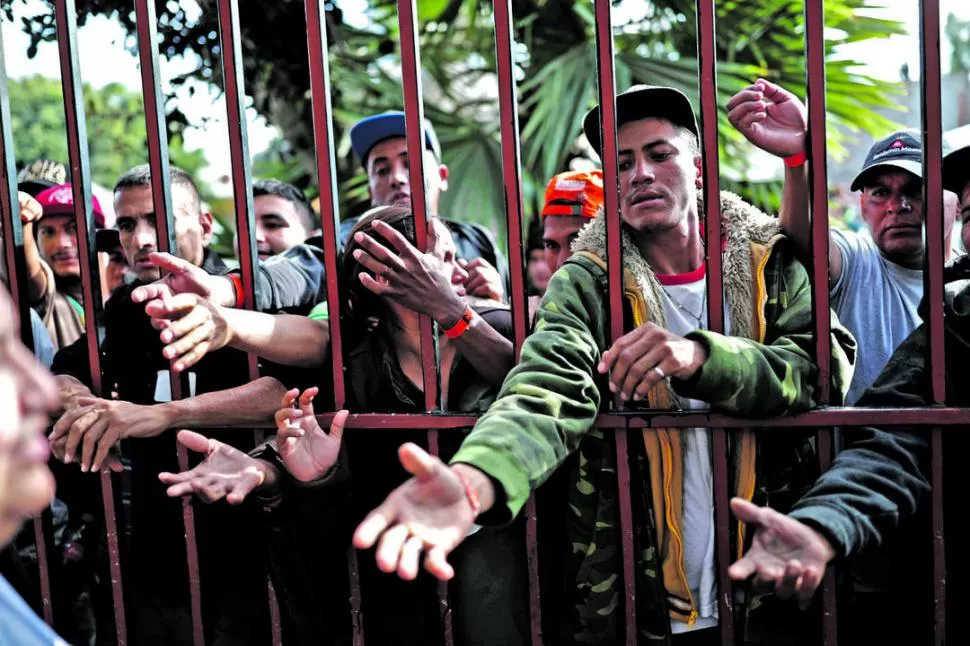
(620, 421)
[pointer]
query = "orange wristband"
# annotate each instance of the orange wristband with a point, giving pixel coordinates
(237, 288)
(796, 160)
(462, 325)
(470, 493)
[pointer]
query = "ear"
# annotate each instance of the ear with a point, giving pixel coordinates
(206, 221)
(443, 174)
(699, 180)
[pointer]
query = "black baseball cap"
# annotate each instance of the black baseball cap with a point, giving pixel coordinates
(107, 240)
(642, 102)
(368, 132)
(902, 149)
(956, 164)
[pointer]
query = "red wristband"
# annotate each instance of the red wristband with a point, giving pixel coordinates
(796, 160)
(470, 493)
(462, 325)
(237, 288)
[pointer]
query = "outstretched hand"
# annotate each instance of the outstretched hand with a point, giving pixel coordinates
(226, 472)
(305, 449)
(786, 556)
(770, 117)
(185, 278)
(428, 512)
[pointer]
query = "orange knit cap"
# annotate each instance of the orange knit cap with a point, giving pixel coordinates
(574, 193)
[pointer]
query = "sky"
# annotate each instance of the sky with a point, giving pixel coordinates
(102, 39)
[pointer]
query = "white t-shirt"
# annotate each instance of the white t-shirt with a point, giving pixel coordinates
(877, 301)
(698, 514)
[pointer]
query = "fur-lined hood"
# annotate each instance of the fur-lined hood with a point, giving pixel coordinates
(743, 224)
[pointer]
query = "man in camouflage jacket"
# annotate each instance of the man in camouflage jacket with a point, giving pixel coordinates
(549, 402)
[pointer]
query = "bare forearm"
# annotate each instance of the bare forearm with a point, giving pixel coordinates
(490, 353)
(70, 389)
(795, 215)
(36, 276)
(254, 402)
(480, 483)
(282, 338)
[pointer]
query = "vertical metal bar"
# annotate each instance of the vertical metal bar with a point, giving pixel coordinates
(707, 64)
(322, 106)
(821, 314)
(511, 171)
(414, 127)
(933, 264)
(326, 178)
(65, 15)
(158, 160)
(606, 79)
(16, 272)
(234, 87)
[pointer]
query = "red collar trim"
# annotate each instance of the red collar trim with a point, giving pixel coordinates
(683, 279)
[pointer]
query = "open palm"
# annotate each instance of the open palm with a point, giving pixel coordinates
(225, 472)
(306, 450)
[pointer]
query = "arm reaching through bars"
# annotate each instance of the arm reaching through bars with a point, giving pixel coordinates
(776, 121)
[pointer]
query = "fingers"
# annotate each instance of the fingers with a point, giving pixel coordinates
(289, 397)
(67, 420)
(407, 569)
(743, 568)
(372, 285)
(306, 401)
(91, 437)
(389, 548)
(151, 292)
(194, 441)
(479, 285)
(370, 262)
(806, 587)
(371, 527)
(436, 562)
(741, 116)
(397, 240)
(785, 585)
(83, 422)
(284, 415)
(631, 363)
(747, 95)
(181, 309)
(377, 252)
(417, 461)
(171, 263)
(191, 348)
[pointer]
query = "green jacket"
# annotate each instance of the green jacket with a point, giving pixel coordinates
(552, 398)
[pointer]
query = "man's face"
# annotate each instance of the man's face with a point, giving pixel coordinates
(27, 394)
(387, 175)
(658, 175)
(538, 270)
(57, 241)
(135, 214)
(558, 233)
(892, 206)
(117, 269)
(278, 225)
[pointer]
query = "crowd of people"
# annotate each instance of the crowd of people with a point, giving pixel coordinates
(296, 504)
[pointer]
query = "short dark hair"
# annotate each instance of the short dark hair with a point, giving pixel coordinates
(289, 193)
(142, 176)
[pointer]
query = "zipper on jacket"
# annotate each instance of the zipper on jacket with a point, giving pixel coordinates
(674, 526)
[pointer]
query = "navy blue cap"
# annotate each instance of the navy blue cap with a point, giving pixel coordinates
(902, 149)
(368, 132)
(956, 164)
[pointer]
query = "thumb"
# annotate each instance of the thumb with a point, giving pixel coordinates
(745, 511)
(337, 426)
(417, 461)
(193, 441)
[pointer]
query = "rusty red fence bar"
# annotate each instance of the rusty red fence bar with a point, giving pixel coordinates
(234, 88)
(930, 85)
(512, 173)
(15, 267)
(606, 78)
(707, 72)
(157, 141)
(814, 16)
(414, 129)
(66, 20)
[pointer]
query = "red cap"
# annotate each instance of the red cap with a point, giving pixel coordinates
(574, 193)
(59, 200)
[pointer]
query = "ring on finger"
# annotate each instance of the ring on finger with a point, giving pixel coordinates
(660, 372)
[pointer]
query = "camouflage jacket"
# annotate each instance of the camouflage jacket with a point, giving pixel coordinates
(552, 398)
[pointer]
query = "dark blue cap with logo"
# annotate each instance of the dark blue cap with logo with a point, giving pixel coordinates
(902, 149)
(368, 132)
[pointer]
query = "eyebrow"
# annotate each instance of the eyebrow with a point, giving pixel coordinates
(647, 146)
